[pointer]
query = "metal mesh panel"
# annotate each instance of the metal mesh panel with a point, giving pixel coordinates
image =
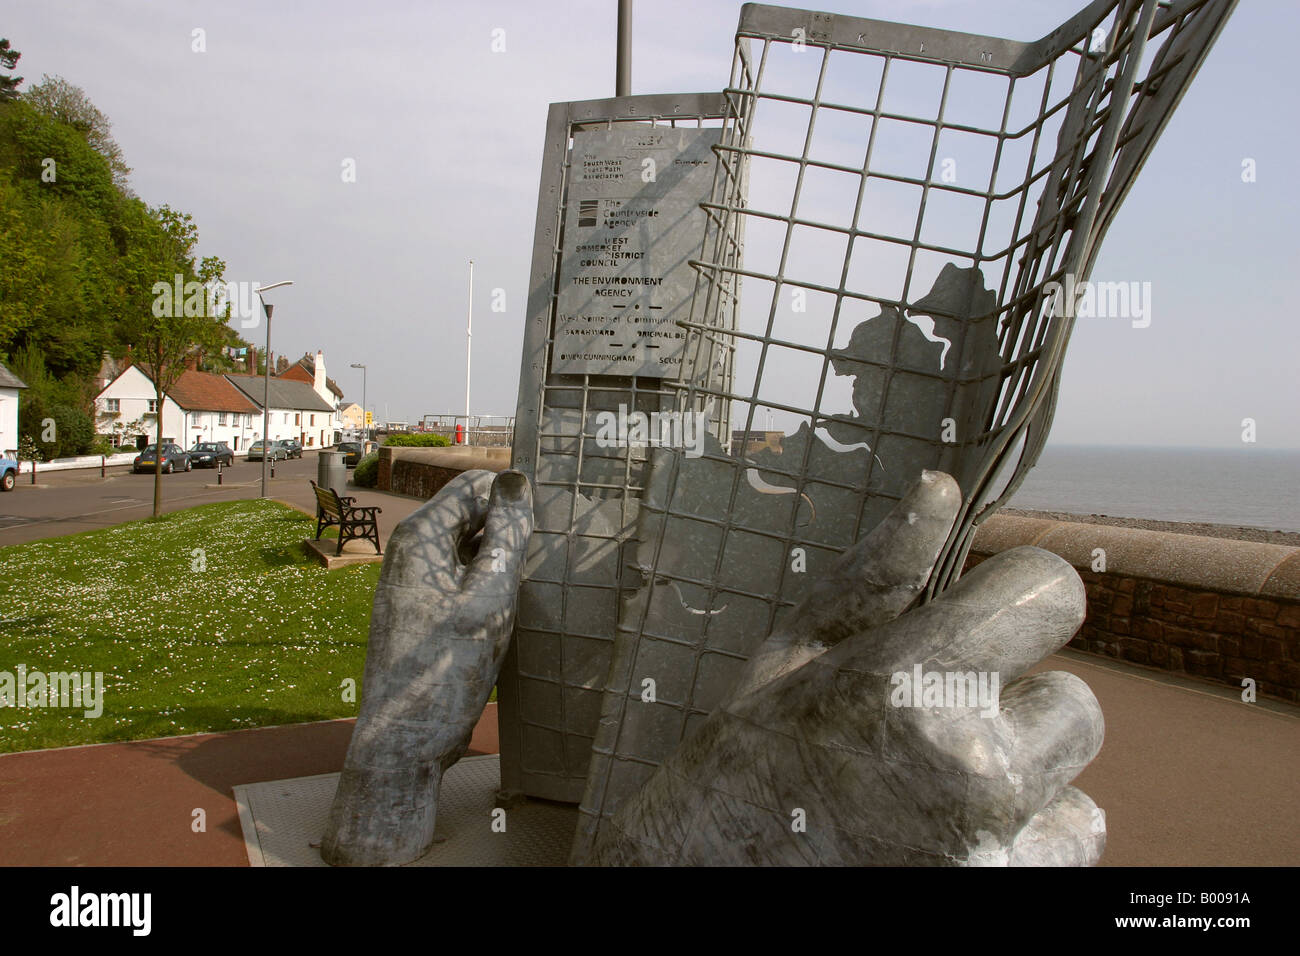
(586, 493)
(909, 200)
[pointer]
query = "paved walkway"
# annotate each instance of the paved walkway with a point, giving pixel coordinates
(394, 508)
(133, 804)
(1188, 776)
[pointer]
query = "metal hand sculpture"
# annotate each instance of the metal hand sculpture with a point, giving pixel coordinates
(441, 623)
(821, 755)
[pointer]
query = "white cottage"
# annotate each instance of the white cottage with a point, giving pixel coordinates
(297, 411)
(126, 409)
(214, 410)
(311, 371)
(10, 385)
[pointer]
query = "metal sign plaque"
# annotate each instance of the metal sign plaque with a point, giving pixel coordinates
(587, 491)
(632, 221)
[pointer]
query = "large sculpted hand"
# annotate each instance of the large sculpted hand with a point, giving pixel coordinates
(439, 630)
(822, 755)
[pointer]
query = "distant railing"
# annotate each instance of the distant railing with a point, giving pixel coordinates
(483, 431)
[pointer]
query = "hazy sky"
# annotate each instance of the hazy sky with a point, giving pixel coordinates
(250, 137)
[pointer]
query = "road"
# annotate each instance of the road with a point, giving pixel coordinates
(65, 502)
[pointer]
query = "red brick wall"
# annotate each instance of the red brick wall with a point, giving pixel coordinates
(1213, 634)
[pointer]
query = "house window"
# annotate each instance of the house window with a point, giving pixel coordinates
(153, 405)
(113, 405)
(286, 418)
(297, 419)
(221, 418)
(313, 419)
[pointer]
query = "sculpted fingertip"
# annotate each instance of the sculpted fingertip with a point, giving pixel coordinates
(938, 487)
(512, 486)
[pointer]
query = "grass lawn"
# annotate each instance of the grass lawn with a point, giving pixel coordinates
(249, 633)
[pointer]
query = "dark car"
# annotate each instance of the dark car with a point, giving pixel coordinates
(293, 447)
(207, 454)
(351, 453)
(277, 451)
(173, 457)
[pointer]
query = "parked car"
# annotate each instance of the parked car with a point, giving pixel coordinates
(207, 454)
(173, 457)
(8, 473)
(259, 449)
(293, 446)
(351, 453)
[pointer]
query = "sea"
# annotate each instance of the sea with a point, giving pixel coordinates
(1246, 487)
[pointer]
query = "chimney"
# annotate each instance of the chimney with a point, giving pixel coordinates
(320, 382)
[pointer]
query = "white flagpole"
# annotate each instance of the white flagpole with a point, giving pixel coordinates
(469, 335)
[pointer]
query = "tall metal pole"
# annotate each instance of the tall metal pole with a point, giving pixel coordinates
(623, 65)
(266, 377)
(266, 394)
(469, 341)
(364, 424)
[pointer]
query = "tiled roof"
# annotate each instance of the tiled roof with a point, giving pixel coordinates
(305, 368)
(9, 380)
(205, 391)
(285, 393)
(296, 373)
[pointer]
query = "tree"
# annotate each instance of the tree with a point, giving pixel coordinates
(61, 241)
(58, 99)
(9, 84)
(166, 326)
(50, 417)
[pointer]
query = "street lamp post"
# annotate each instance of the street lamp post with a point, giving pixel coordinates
(364, 423)
(266, 377)
(469, 342)
(623, 58)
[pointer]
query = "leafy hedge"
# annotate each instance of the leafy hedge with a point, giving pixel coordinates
(366, 474)
(422, 440)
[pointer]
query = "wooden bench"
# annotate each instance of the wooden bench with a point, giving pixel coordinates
(355, 523)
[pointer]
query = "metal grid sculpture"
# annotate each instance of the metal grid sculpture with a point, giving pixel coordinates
(939, 291)
(586, 496)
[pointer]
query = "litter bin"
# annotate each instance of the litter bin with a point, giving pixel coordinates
(331, 472)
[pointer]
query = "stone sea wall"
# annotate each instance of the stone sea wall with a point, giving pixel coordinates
(1216, 608)
(421, 472)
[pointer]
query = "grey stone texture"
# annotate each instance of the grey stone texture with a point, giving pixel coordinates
(815, 758)
(442, 618)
